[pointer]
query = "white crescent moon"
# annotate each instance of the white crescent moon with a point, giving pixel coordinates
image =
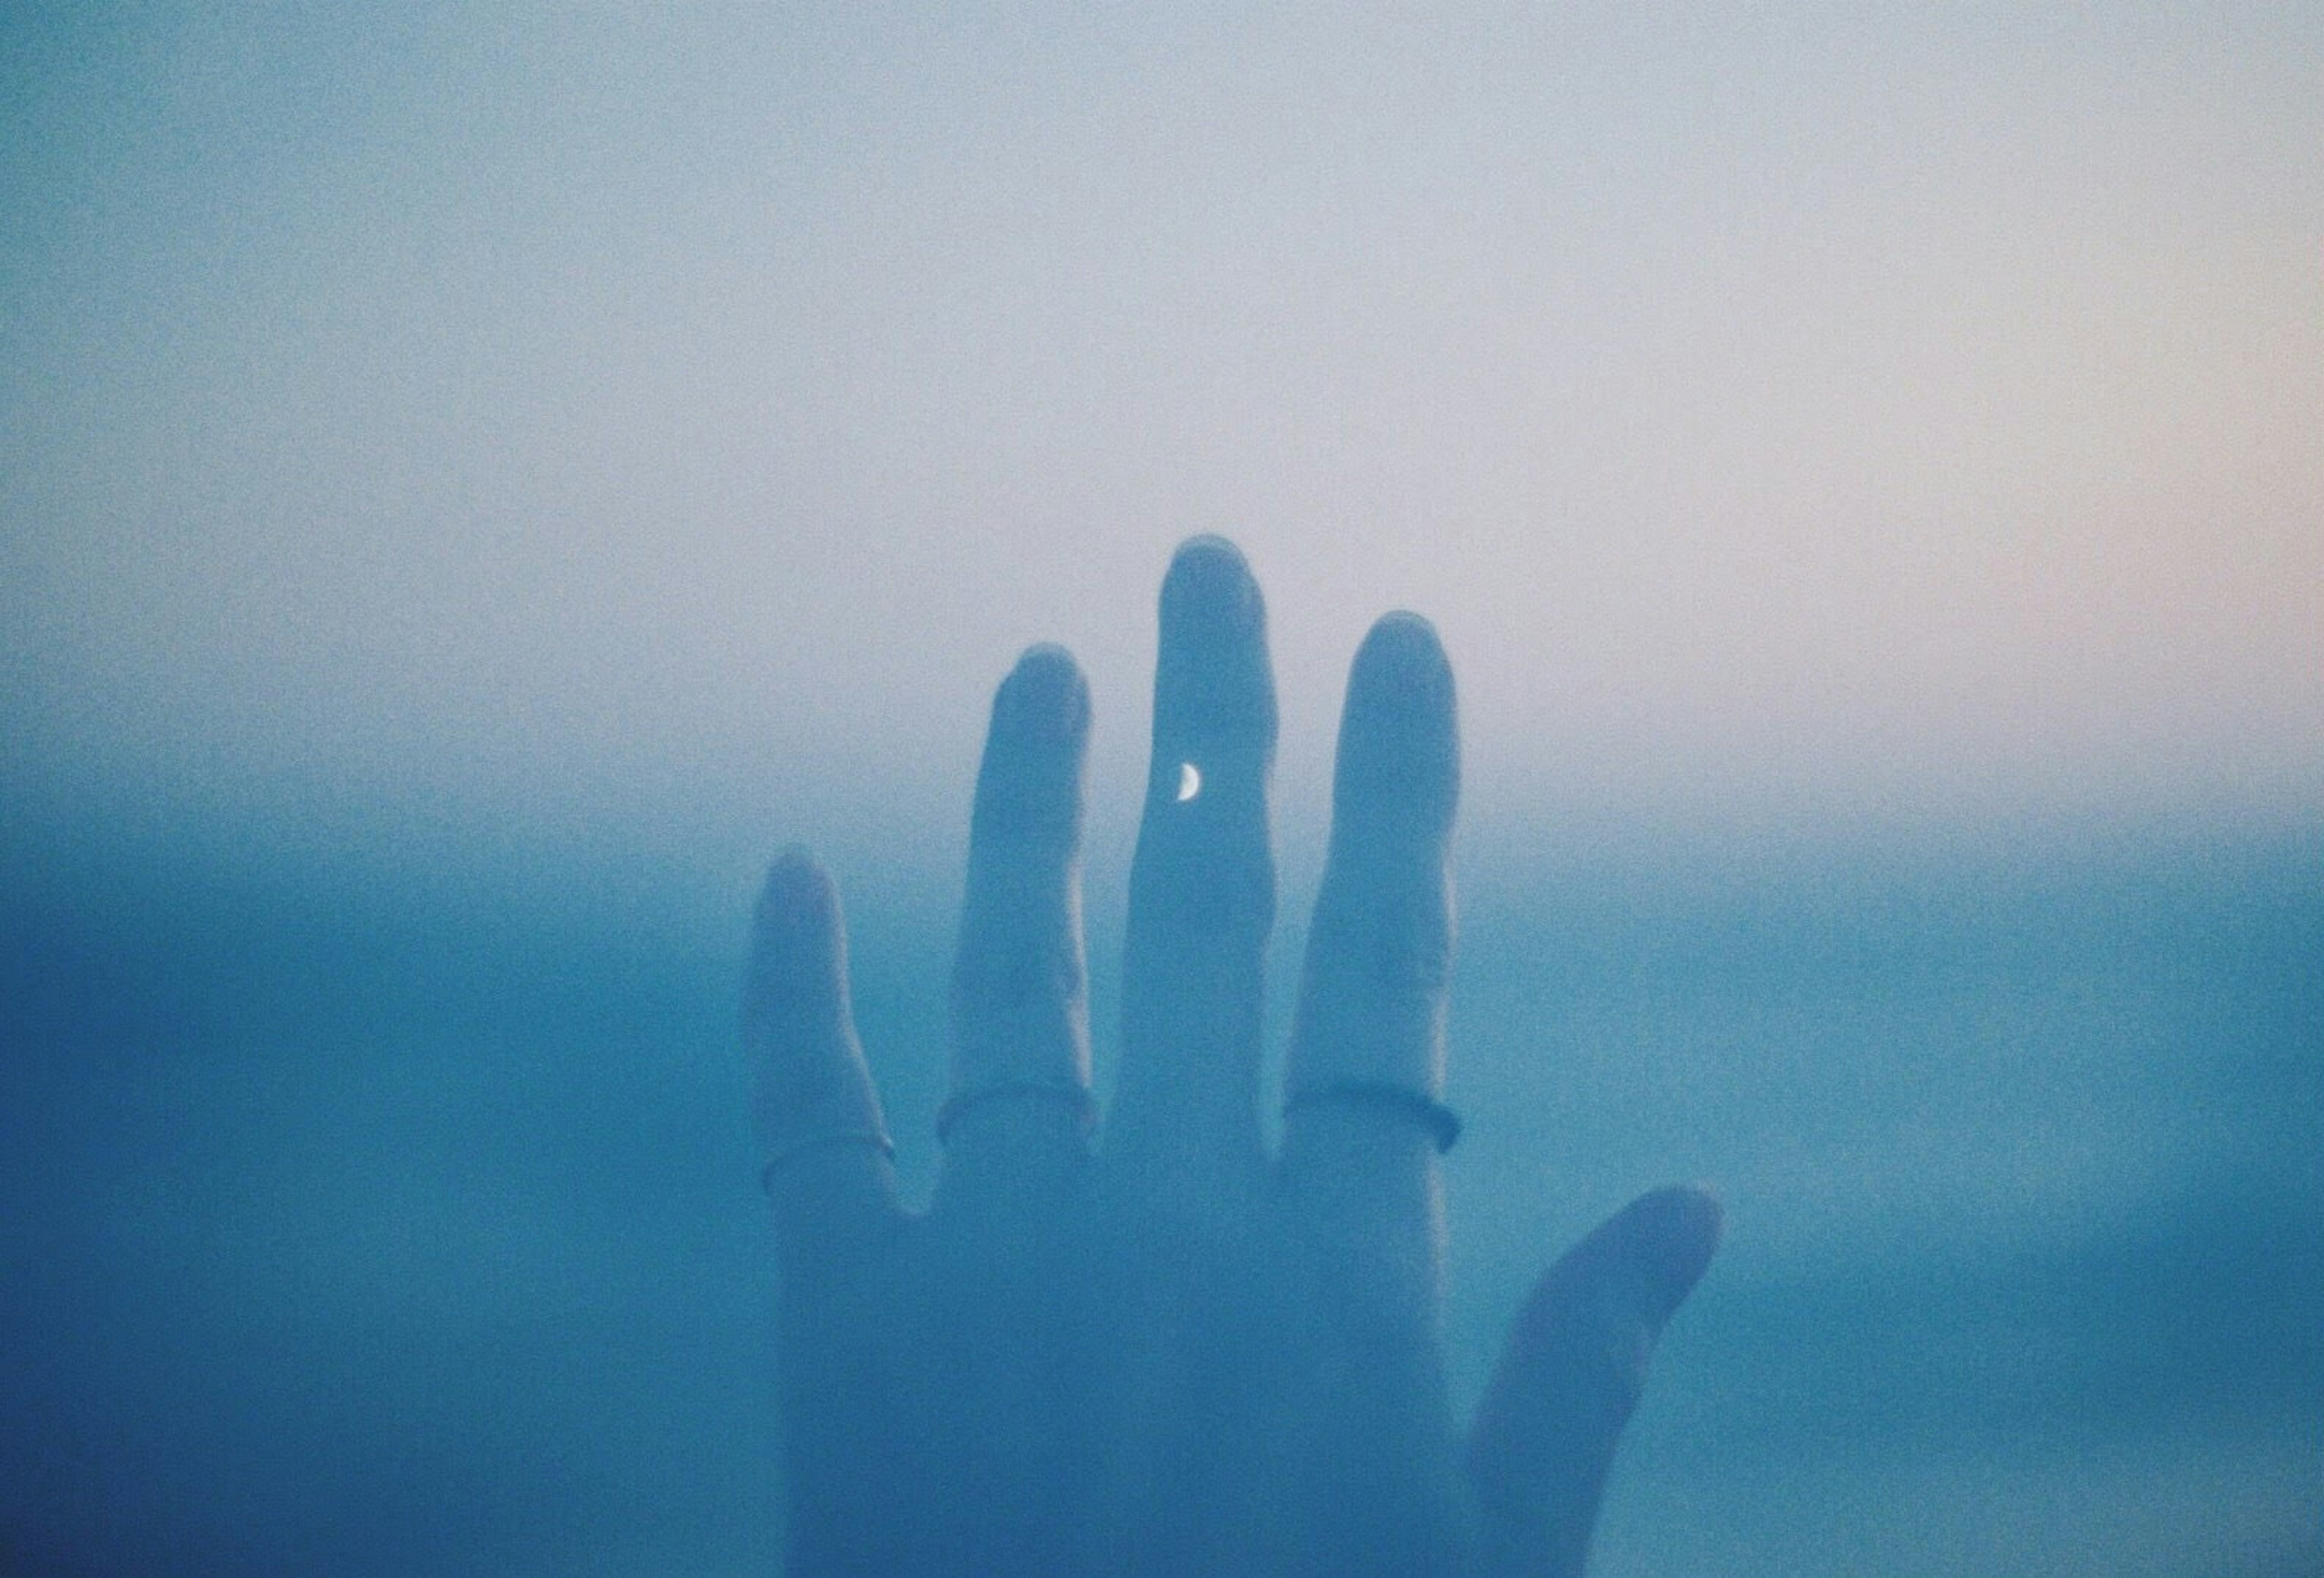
(1190, 781)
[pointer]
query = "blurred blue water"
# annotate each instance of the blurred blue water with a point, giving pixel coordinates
(400, 1219)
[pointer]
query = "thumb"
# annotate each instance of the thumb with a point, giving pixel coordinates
(1570, 1373)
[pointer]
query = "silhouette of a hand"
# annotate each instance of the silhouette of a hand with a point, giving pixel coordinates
(1168, 1351)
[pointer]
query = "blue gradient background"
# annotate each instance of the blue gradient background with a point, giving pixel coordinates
(478, 480)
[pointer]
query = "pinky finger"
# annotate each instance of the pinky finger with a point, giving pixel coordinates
(823, 1142)
(1575, 1363)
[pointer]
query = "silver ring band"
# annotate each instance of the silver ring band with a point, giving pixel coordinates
(876, 1139)
(1442, 1121)
(1076, 1096)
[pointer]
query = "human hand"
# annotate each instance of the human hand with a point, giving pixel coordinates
(1170, 1352)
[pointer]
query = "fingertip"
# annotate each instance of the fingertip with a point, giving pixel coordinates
(797, 894)
(1676, 1230)
(1210, 594)
(797, 952)
(1207, 550)
(1213, 692)
(1046, 694)
(1399, 732)
(1641, 1261)
(1402, 660)
(1028, 787)
(1401, 630)
(1049, 657)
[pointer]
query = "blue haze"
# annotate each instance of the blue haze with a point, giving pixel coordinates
(476, 480)
(377, 1220)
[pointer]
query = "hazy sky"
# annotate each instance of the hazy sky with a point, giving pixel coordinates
(652, 429)
(686, 413)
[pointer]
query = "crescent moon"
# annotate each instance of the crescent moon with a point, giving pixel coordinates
(1190, 781)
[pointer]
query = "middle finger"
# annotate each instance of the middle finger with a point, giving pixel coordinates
(1202, 888)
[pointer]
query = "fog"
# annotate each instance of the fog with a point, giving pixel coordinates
(479, 481)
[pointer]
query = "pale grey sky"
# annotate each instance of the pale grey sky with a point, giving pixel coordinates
(684, 414)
